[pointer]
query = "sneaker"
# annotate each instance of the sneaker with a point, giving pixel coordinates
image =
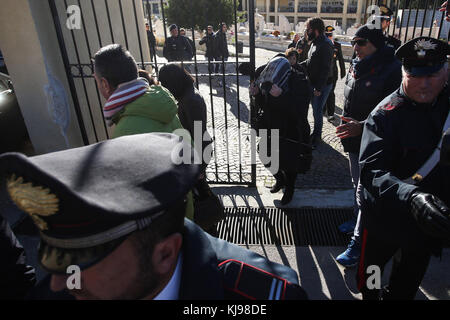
(348, 226)
(330, 118)
(350, 257)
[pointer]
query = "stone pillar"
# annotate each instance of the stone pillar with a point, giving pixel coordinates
(344, 15)
(295, 13)
(28, 37)
(267, 9)
(319, 7)
(30, 47)
(277, 20)
(359, 12)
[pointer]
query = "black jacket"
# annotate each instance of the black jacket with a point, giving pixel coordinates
(191, 108)
(379, 76)
(151, 42)
(287, 113)
(319, 62)
(177, 49)
(337, 57)
(399, 136)
(221, 45)
(209, 39)
(214, 269)
(16, 277)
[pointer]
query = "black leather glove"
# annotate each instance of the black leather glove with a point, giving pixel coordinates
(432, 215)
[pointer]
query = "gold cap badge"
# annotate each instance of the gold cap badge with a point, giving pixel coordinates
(36, 201)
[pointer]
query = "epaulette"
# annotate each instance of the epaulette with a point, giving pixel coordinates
(395, 102)
(244, 281)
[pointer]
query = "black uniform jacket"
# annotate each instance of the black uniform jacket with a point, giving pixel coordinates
(399, 136)
(393, 42)
(338, 57)
(177, 49)
(364, 90)
(214, 269)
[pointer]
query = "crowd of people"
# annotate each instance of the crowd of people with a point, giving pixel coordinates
(135, 224)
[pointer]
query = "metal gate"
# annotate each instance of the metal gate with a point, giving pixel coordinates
(413, 18)
(103, 22)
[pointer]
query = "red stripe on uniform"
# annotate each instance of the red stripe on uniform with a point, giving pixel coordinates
(361, 273)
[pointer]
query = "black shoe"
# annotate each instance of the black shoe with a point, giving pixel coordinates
(287, 196)
(330, 118)
(277, 186)
(315, 140)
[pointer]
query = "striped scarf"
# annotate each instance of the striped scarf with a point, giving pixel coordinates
(123, 95)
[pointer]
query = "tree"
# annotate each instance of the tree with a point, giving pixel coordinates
(199, 13)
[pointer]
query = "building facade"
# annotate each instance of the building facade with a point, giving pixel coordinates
(155, 6)
(345, 12)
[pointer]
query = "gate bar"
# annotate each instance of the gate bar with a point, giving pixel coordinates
(92, 66)
(65, 58)
(82, 79)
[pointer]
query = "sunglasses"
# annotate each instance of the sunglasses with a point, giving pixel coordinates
(360, 42)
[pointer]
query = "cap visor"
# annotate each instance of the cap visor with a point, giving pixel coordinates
(56, 260)
(423, 71)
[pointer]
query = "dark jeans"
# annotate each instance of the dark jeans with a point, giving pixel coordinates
(317, 104)
(331, 102)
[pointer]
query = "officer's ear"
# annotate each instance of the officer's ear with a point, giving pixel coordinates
(165, 253)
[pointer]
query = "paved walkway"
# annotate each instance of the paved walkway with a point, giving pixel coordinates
(228, 121)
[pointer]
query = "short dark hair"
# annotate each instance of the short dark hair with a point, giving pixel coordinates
(171, 222)
(115, 64)
(316, 23)
(176, 79)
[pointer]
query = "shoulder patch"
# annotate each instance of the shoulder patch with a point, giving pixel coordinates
(244, 281)
(395, 102)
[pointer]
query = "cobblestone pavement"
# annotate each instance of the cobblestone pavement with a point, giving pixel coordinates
(329, 170)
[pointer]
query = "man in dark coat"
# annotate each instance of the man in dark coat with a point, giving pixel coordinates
(374, 74)
(337, 57)
(319, 68)
(406, 187)
(120, 216)
(208, 40)
(151, 41)
(221, 46)
(177, 48)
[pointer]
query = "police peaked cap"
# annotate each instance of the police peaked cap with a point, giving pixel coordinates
(423, 55)
(94, 196)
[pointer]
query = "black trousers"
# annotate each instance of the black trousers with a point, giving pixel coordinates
(410, 263)
(331, 102)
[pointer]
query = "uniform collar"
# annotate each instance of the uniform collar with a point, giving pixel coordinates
(200, 279)
(171, 290)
